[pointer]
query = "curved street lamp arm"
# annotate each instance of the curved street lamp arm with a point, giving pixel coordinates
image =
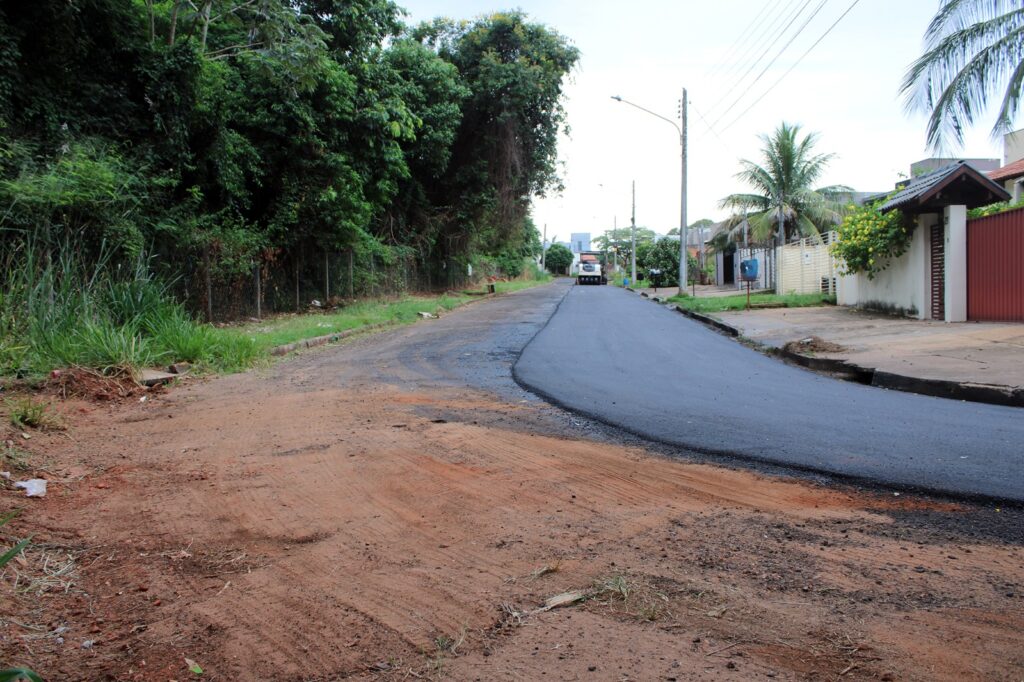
(663, 118)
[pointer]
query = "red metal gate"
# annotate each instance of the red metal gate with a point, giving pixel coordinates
(995, 267)
(938, 250)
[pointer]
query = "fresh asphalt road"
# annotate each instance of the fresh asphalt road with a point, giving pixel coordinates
(626, 361)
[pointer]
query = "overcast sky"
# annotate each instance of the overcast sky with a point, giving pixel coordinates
(846, 89)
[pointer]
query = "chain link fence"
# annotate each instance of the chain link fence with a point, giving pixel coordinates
(306, 279)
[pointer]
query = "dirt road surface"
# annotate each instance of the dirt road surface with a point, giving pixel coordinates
(395, 508)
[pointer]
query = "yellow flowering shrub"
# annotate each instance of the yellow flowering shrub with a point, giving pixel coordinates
(870, 239)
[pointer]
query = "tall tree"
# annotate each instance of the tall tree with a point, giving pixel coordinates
(505, 152)
(974, 50)
(784, 188)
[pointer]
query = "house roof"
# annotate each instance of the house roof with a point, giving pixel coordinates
(957, 183)
(1007, 172)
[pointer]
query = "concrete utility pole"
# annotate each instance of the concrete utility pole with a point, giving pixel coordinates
(615, 236)
(682, 198)
(781, 250)
(633, 237)
(544, 249)
(681, 129)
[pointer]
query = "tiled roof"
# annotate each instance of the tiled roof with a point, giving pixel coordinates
(924, 188)
(1007, 172)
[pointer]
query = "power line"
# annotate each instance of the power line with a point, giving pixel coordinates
(774, 59)
(795, 64)
(756, 40)
(713, 131)
(757, 61)
(738, 44)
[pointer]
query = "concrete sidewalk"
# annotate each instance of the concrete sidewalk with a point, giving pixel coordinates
(701, 290)
(966, 353)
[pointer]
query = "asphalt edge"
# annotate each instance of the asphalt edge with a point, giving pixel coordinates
(737, 457)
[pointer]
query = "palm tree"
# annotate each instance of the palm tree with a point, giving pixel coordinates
(972, 49)
(783, 189)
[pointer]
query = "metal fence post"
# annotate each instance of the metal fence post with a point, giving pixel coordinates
(351, 274)
(327, 277)
(209, 283)
(259, 307)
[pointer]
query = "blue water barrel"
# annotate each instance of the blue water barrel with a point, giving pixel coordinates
(748, 270)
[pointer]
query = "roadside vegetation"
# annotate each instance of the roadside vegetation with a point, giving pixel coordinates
(784, 189)
(870, 240)
(716, 304)
(284, 329)
(972, 60)
(160, 166)
(68, 312)
(58, 309)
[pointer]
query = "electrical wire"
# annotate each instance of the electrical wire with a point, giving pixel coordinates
(774, 59)
(769, 27)
(712, 130)
(737, 46)
(754, 64)
(791, 68)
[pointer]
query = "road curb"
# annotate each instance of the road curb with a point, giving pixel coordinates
(991, 394)
(287, 348)
(727, 329)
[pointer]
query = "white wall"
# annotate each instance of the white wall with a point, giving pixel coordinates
(955, 232)
(903, 287)
(1013, 147)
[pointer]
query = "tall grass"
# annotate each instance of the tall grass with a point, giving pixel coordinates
(59, 309)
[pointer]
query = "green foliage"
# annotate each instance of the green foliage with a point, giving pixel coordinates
(619, 241)
(33, 414)
(783, 187)
(713, 304)
(558, 259)
(870, 239)
(58, 311)
(994, 209)
(18, 674)
(88, 190)
(972, 55)
(664, 255)
(5, 558)
(223, 138)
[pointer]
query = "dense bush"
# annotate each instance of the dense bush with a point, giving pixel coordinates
(558, 259)
(870, 239)
(664, 255)
(60, 309)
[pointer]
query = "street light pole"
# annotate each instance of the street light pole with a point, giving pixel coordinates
(544, 250)
(632, 249)
(683, 236)
(681, 130)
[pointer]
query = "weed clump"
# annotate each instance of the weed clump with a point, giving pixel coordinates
(30, 413)
(58, 309)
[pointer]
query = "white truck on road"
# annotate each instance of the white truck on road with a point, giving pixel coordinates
(590, 270)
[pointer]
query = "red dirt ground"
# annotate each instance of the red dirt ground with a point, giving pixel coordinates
(270, 529)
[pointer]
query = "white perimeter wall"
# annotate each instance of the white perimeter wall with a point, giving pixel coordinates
(903, 287)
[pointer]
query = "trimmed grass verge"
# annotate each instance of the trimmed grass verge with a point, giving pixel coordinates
(723, 303)
(289, 329)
